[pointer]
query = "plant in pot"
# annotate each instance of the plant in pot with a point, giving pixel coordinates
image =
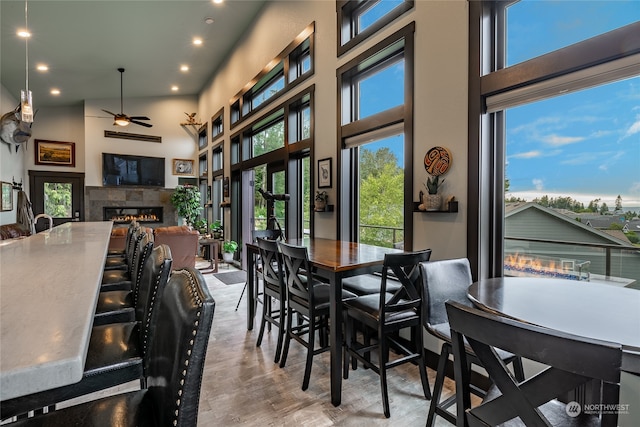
(186, 200)
(433, 201)
(228, 249)
(216, 229)
(320, 202)
(200, 224)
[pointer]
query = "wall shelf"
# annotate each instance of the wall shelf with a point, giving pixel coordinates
(453, 208)
(328, 208)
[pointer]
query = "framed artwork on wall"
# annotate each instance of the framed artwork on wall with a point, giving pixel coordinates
(182, 167)
(324, 173)
(55, 153)
(7, 197)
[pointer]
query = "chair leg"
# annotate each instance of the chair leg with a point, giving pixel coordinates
(437, 387)
(281, 331)
(287, 339)
(241, 295)
(266, 310)
(518, 370)
(348, 343)
(383, 348)
(422, 363)
(310, 347)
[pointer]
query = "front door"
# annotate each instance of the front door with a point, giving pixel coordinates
(58, 194)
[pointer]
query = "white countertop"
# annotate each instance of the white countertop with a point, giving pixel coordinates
(49, 285)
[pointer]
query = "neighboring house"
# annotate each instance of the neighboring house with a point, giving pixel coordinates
(574, 242)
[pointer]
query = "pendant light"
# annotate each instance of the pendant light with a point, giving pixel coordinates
(26, 100)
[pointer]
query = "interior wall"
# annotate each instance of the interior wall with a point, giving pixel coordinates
(11, 162)
(440, 97)
(166, 113)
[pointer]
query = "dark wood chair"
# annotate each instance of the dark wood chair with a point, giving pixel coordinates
(116, 352)
(176, 360)
(385, 314)
(119, 305)
(441, 281)
(571, 362)
(308, 299)
(274, 289)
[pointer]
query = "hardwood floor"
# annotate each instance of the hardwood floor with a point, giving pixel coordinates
(242, 385)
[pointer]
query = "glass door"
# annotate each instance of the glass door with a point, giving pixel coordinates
(57, 194)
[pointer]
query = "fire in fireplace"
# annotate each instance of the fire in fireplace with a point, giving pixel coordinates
(124, 215)
(527, 265)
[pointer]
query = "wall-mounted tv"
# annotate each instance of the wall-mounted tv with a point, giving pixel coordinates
(123, 169)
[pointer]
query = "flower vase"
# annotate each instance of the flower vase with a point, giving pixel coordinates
(432, 202)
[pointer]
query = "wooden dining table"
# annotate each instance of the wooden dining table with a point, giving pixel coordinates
(49, 287)
(592, 310)
(332, 260)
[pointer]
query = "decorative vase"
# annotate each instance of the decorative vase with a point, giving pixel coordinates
(432, 202)
(227, 257)
(320, 205)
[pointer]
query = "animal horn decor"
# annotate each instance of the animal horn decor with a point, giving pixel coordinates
(14, 131)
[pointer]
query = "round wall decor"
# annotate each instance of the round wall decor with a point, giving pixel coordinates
(437, 161)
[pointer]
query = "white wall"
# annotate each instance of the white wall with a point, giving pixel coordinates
(440, 96)
(166, 114)
(11, 162)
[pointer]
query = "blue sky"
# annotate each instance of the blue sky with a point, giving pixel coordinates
(586, 144)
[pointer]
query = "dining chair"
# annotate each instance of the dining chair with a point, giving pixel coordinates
(273, 289)
(116, 351)
(120, 278)
(121, 262)
(176, 359)
(121, 253)
(570, 360)
(308, 299)
(255, 235)
(119, 305)
(385, 314)
(441, 281)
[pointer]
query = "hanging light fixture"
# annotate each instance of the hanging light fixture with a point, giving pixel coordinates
(26, 100)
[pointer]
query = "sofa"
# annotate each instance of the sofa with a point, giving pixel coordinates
(13, 231)
(183, 242)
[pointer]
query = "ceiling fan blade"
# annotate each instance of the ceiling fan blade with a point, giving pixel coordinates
(139, 118)
(147, 125)
(109, 112)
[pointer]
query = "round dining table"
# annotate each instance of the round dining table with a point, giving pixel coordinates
(593, 310)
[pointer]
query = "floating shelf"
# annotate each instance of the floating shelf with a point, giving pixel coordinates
(453, 208)
(328, 208)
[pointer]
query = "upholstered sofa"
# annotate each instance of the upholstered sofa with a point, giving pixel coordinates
(183, 242)
(13, 231)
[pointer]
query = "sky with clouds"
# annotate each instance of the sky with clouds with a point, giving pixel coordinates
(585, 144)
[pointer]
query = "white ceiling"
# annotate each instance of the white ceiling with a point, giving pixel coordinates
(84, 42)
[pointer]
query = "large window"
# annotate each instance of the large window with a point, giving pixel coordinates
(559, 140)
(375, 161)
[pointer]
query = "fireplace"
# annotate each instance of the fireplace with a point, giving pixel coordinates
(124, 215)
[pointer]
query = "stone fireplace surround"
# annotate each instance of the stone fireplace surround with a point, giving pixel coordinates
(96, 198)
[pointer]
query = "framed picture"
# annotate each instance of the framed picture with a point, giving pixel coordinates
(182, 167)
(7, 197)
(324, 173)
(55, 153)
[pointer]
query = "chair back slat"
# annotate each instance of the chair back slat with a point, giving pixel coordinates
(441, 281)
(298, 274)
(177, 355)
(404, 268)
(271, 263)
(572, 361)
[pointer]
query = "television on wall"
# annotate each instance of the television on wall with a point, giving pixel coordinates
(124, 169)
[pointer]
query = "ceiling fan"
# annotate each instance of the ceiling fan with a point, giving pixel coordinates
(122, 119)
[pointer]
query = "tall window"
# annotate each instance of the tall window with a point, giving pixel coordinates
(563, 130)
(376, 110)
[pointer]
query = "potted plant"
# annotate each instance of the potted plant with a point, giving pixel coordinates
(201, 225)
(433, 201)
(216, 229)
(228, 249)
(186, 200)
(321, 199)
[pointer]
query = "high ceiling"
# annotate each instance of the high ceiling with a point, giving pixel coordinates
(83, 42)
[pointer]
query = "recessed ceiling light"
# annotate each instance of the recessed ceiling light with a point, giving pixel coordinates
(174, 88)
(24, 34)
(218, 1)
(184, 68)
(208, 20)
(42, 67)
(197, 41)
(55, 91)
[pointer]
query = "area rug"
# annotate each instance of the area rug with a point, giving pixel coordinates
(232, 277)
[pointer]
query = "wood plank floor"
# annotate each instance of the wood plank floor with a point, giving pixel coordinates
(242, 386)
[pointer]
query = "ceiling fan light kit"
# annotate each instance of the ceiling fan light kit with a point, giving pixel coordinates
(122, 119)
